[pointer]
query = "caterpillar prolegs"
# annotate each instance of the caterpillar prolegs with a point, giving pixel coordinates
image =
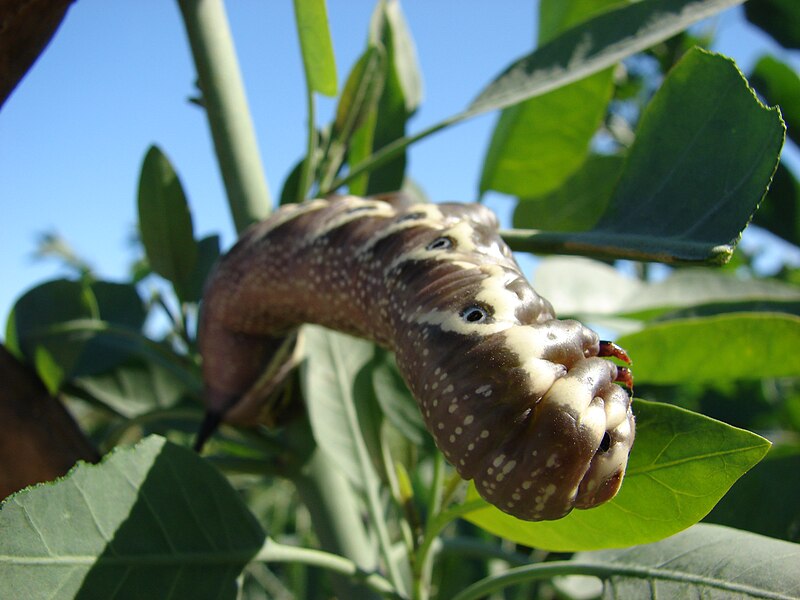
(521, 402)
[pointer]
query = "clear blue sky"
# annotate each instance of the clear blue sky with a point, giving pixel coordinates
(117, 76)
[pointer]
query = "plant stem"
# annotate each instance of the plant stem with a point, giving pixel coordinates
(272, 551)
(226, 108)
(307, 167)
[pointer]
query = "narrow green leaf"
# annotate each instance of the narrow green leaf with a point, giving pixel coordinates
(779, 84)
(402, 93)
(593, 46)
(779, 18)
(719, 348)
(316, 46)
(165, 222)
(153, 521)
(753, 503)
(705, 561)
(578, 203)
(361, 91)
(682, 463)
(333, 360)
(531, 152)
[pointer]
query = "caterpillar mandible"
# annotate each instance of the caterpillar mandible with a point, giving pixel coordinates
(523, 403)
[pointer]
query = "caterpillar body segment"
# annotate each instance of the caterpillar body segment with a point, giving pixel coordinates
(523, 403)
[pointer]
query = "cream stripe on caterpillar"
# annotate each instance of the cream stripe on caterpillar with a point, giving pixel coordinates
(521, 402)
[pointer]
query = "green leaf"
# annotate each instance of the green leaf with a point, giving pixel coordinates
(719, 348)
(682, 463)
(316, 46)
(580, 286)
(333, 360)
(135, 388)
(402, 93)
(754, 502)
(556, 16)
(48, 304)
(705, 561)
(780, 211)
(704, 154)
(165, 222)
(676, 169)
(532, 152)
(154, 521)
(779, 84)
(779, 18)
(580, 52)
(578, 203)
(592, 46)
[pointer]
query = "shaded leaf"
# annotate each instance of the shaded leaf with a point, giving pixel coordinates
(779, 84)
(580, 286)
(779, 18)
(396, 400)
(578, 203)
(780, 211)
(556, 16)
(333, 360)
(719, 348)
(165, 223)
(48, 304)
(682, 463)
(680, 197)
(705, 561)
(135, 388)
(208, 252)
(754, 502)
(311, 17)
(152, 521)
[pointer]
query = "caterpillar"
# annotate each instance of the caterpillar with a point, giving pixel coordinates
(525, 404)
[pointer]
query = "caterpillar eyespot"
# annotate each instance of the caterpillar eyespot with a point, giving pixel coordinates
(475, 314)
(528, 406)
(440, 243)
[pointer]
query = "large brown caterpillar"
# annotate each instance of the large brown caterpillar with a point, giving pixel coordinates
(519, 401)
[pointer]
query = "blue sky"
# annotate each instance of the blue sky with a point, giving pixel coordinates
(117, 76)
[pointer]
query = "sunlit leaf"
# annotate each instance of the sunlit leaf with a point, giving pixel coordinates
(719, 348)
(152, 521)
(316, 46)
(682, 463)
(532, 152)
